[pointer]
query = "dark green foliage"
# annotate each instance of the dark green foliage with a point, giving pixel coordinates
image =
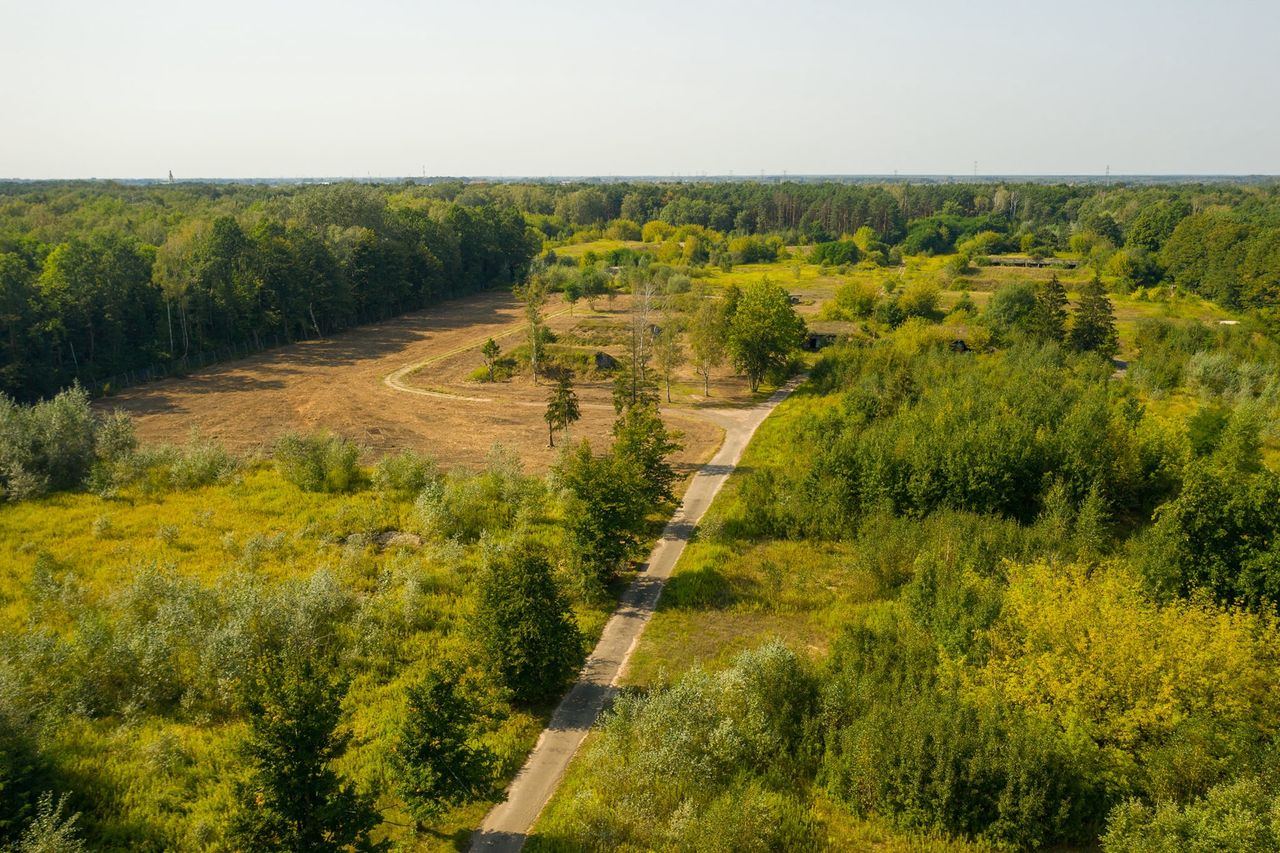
(835, 253)
(1154, 223)
(318, 463)
(438, 764)
(98, 302)
(1093, 328)
(562, 406)
(21, 780)
(604, 514)
(524, 625)
(935, 235)
(900, 741)
(1221, 535)
(642, 442)
(292, 799)
(940, 431)
(1048, 321)
(1204, 254)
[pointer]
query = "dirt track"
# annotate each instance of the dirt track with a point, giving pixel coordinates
(339, 384)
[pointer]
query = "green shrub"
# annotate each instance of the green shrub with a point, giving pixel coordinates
(48, 446)
(318, 463)
(709, 763)
(524, 624)
(405, 475)
(464, 506)
(1241, 815)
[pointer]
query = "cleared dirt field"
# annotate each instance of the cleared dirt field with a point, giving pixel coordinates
(341, 384)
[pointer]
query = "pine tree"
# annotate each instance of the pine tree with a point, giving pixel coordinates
(436, 761)
(525, 626)
(562, 406)
(1094, 329)
(1049, 317)
(490, 352)
(292, 799)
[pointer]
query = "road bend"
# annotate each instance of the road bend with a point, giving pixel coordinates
(507, 825)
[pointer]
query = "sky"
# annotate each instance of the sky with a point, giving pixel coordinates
(134, 89)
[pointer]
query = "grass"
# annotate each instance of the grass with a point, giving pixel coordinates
(158, 782)
(600, 247)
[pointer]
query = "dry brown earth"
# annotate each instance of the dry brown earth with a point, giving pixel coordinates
(403, 384)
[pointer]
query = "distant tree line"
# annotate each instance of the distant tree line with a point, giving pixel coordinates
(99, 278)
(121, 286)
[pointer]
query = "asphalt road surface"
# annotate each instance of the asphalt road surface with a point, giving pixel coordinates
(506, 827)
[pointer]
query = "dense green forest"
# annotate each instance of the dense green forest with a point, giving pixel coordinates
(98, 281)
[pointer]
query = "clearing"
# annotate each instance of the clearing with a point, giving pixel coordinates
(404, 384)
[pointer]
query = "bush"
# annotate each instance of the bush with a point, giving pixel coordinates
(710, 763)
(318, 463)
(1241, 815)
(48, 446)
(905, 742)
(405, 475)
(853, 300)
(836, 253)
(465, 506)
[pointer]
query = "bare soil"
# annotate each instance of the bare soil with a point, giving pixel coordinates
(404, 384)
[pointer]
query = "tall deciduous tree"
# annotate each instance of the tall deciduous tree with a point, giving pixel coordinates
(534, 295)
(668, 352)
(764, 331)
(707, 332)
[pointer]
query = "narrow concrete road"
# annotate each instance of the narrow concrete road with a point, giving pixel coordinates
(506, 827)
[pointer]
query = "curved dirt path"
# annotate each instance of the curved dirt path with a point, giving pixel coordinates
(395, 379)
(506, 826)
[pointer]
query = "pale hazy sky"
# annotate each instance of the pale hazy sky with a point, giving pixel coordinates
(271, 89)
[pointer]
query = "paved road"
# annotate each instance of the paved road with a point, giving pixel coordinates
(507, 825)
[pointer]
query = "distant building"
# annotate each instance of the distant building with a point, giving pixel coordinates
(824, 333)
(1028, 261)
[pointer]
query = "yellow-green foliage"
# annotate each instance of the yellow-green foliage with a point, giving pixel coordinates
(1090, 651)
(153, 779)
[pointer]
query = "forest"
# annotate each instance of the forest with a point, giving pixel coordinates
(100, 280)
(1002, 573)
